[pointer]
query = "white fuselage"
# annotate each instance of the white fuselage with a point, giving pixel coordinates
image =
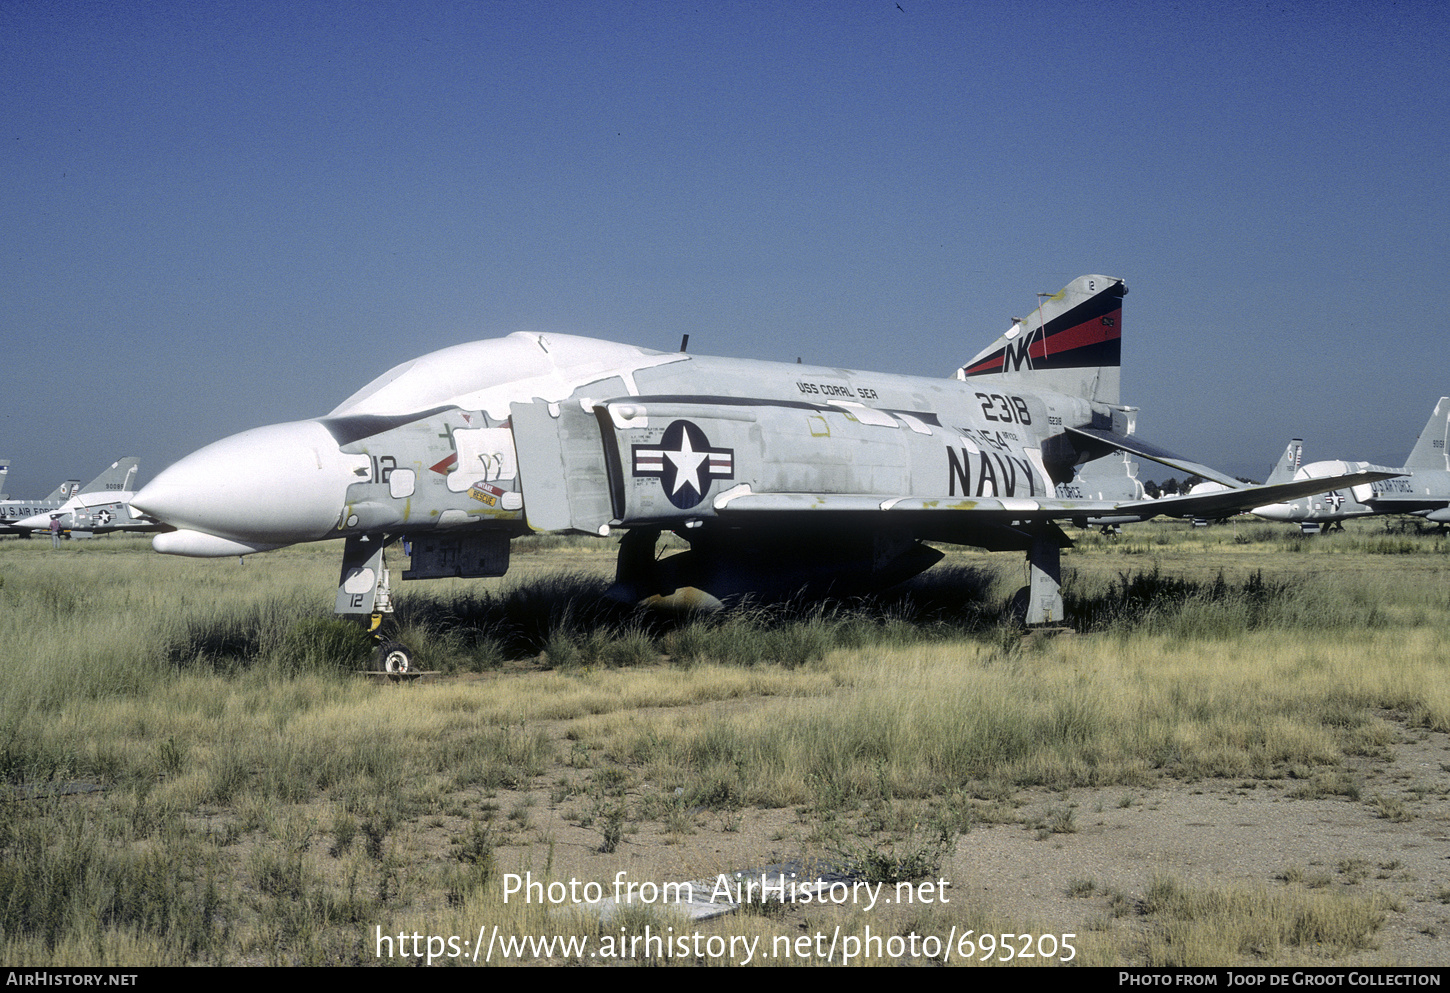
(431, 444)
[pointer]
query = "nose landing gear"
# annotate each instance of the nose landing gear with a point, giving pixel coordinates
(363, 591)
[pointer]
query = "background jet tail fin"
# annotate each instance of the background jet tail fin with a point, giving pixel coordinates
(1070, 344)
(118, 476)
(1288, 463)
(64, 491)
(1432, 450)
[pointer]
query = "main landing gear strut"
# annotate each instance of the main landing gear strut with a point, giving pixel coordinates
(1039, 603)
(1044, 582)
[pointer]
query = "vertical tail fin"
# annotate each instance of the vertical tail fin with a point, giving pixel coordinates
(1071, 344)
(1288, 464)
(1432, 450)
(65, 490)
(119, 476)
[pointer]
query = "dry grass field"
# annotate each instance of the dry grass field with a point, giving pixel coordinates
(1238, 755)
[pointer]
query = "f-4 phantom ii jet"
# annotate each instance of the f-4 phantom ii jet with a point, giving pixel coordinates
(780, 477)
(1423, 488)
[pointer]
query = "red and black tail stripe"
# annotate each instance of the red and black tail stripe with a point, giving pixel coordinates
(1087, 336)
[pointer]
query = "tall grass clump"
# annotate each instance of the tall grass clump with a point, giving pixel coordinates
(323, 645)
(752, 637)
(518, 619)
(1200, 926)
(941, 604)
(925, 719)
(572, 621)
(64, 883)
(278, 634)
(61, 645)
(1153, 603)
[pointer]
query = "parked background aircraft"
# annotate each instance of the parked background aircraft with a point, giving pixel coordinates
(14, 511)
(1282, 472)
(1422, 490)
(100, 507)
(780, 477)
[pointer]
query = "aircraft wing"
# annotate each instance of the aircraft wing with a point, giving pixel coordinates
(1249, 497)
(1007, 510)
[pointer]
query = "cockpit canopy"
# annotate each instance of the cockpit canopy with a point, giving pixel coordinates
(460, 374)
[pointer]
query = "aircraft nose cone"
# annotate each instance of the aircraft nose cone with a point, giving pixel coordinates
(279, 484)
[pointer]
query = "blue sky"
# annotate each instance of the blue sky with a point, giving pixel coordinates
(224, 214)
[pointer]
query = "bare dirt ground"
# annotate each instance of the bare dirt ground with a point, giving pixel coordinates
(1249, 833)
(1393, 838)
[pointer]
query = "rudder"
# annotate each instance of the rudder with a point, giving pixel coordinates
(1071, 344)
(118, 476)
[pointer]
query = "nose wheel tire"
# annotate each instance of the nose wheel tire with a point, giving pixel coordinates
(392, 656)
